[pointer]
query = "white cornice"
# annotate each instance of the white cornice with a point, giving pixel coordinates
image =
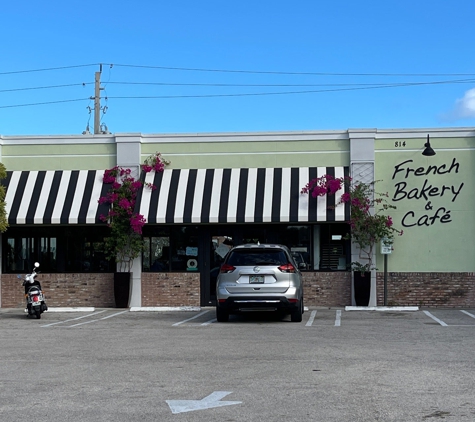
(423, 132)
(283, 136)
(246, 137)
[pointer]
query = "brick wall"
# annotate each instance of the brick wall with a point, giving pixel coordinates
(327, 289)
(63, 290)
(454, 290)
(170, 289)
(183, 289)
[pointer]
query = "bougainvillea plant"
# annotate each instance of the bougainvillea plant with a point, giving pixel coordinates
(3, 212)
(124, 242)
(155, 162)
(369, 222)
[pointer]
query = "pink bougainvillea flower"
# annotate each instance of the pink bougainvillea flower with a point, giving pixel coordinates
(345, 197)
(125, 203)
(137, 221)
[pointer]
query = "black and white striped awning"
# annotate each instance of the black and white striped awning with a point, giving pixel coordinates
(248, 195)
(55, 197)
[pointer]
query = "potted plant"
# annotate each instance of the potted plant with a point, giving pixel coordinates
(369, 224)
(124, 242)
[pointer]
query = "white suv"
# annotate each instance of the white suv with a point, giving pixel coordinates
(259, 278)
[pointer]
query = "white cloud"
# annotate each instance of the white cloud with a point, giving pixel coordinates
(464, 107)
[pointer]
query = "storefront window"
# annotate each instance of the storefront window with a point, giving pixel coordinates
(19, 253)
(73, 249)
(184, 248)
(156, 255)
(297, 238)
(331, 250)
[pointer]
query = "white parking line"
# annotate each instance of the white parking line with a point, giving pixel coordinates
(209, 322)
(468, 313)
(189, 319)
(113, 315)
(338, 319)
(310, 320)
(100, 319)
(73, 319)
(436, 319)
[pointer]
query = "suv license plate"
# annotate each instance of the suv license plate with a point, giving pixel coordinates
(256, 279)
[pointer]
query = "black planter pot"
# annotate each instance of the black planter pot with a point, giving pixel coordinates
(121, 289)
(362, 287)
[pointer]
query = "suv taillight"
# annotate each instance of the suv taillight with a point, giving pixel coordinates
(225, 268)
(287, 268)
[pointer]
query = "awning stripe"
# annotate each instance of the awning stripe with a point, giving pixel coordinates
(339, 211)
(267, 205)
(233, 195)
(55, 197)
(321, 200)
(241, 200)
(285, 196)
(245, 195)
(251, 199)
(224, 199)
(39, 199)
(303, 212)
(216, 195)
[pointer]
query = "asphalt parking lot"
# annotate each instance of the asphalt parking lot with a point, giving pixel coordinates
(117, 365)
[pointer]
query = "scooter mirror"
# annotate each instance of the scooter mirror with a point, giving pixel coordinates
(37, 264)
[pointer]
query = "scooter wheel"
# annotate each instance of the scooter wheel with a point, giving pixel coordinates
(38, 314)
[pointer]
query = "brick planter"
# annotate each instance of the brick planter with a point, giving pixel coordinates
(170, 289)
(327, 288)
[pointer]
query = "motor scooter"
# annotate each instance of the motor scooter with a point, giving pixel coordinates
(35, 299)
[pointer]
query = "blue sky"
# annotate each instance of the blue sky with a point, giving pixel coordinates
(358, 57)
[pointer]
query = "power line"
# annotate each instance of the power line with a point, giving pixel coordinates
(191, 69)
(362, 85)
(294, 85)
(48, 69)
(46, 102)
(272, 72)
(351, 88)
(45, 87)
(288, 92)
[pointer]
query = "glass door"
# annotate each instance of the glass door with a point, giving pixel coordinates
(218, 246)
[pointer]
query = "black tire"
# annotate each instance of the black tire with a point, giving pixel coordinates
(38, 314)
(296, 314)
(222, 315)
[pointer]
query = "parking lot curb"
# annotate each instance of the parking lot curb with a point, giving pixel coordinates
(163, 308)
(382, 308)
(80, 309)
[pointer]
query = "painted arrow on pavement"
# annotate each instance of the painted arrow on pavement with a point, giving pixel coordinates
(213, 400)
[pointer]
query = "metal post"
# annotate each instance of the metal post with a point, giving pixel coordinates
(97, 103)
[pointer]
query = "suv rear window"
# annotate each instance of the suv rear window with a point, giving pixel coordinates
(248, 257)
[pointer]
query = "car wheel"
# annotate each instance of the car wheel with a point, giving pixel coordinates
(296, 314)
(222, 315)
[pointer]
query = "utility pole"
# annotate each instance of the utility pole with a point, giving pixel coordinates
(97, 102)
